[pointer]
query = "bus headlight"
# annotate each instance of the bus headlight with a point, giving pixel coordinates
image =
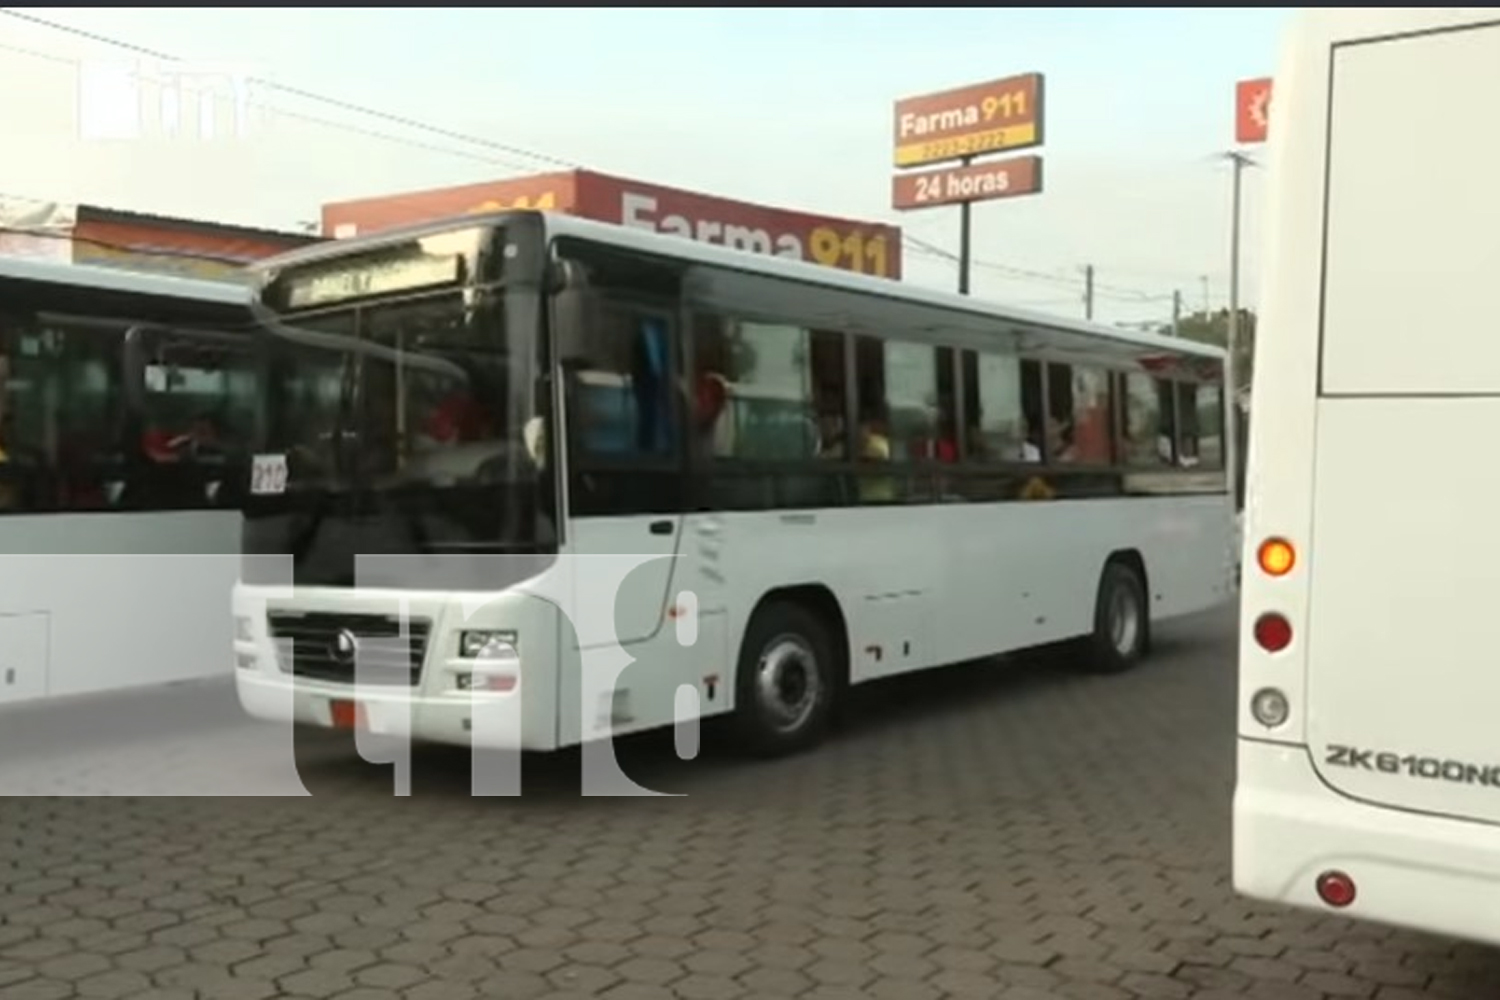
(244, 628)
(487, 644)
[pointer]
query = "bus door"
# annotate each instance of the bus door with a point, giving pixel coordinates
(626, 493)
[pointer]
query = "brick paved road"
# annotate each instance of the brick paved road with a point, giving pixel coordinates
(1028, 834)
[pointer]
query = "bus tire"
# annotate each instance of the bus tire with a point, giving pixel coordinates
(786, 682)
(1122, 620)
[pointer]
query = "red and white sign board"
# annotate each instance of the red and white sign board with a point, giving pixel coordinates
(1252, 110)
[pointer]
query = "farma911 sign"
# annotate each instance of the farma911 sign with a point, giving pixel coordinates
(996, 117)
(871, 248)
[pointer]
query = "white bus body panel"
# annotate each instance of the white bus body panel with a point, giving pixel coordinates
(918, 587)
(1377, 390)
(99, 602)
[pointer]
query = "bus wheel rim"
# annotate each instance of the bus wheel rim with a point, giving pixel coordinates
(787, 682)
(1124, 621)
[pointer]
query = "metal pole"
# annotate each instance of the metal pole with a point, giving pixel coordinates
(1088, 291)
(1232, 338)
(1176, 314)
(1232, 335)
(964, 239)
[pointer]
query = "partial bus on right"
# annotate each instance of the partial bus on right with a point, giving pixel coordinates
(1369, 672)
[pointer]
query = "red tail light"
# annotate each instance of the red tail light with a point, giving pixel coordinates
(1273, 633)
(1336, 889)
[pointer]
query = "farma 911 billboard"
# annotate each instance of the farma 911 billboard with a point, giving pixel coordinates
(872, 248)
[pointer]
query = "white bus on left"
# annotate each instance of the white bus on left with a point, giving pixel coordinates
(119, 524)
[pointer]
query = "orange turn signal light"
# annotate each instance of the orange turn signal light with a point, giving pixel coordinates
(1276, 556)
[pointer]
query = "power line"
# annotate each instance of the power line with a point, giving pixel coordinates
(1119, 292)
(308, 95)
(399, 140)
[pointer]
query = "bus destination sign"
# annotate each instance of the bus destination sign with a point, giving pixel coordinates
(379, 277)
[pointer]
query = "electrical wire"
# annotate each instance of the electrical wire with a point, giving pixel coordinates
(922, 247)
(310, 119)
(404, 121)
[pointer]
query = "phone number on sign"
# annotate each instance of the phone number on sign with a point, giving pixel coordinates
(994, 140)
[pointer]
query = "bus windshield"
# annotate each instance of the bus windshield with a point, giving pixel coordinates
(402, 395)
(403, 426)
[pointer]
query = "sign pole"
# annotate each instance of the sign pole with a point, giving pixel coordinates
(965, 236)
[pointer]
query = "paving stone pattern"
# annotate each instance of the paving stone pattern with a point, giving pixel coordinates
(1007, 833)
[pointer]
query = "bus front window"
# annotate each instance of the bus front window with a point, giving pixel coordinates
(414, 413)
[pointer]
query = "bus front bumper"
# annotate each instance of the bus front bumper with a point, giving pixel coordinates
(1411, 870)
(486, 720)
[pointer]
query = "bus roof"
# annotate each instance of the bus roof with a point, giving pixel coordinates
(1325, 26)
(111, 279)
(679, 247)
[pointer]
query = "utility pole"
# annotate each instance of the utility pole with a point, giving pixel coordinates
(1232, 337)
(1176, 313)
(1204, 279)
(1088, 291)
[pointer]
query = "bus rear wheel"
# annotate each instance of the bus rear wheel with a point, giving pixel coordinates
(786, 682)
(1122, 620)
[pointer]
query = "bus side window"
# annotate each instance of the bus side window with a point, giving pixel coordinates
(1033, 410)
(1209, 407)
(1148, 429)
(625, 404)
(1188, 444)
(1079, 428)
(994, 424)
(753, 389)
(64, 403)
(651, 378)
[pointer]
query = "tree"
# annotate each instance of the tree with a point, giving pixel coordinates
(1213, 328)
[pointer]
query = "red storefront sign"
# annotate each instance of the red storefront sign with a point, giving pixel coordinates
(864, 247)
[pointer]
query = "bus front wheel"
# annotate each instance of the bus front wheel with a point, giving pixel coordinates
(786, 682)
(1122, 620)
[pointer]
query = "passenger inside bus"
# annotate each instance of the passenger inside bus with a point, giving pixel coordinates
(201, 441)
(1061, 440)
(458, 418)
(710, 393)
(875, 447)
(942, 444)
(1029, 449)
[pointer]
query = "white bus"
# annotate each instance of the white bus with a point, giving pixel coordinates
(1369, 777)
(119, 535)
(840, 478)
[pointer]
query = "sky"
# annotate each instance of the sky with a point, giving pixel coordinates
(790, 107)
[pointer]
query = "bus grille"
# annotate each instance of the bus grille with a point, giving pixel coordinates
(382, 652)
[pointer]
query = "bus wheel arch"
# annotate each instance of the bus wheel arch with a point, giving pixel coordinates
(792, 670)
(1121, 635)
